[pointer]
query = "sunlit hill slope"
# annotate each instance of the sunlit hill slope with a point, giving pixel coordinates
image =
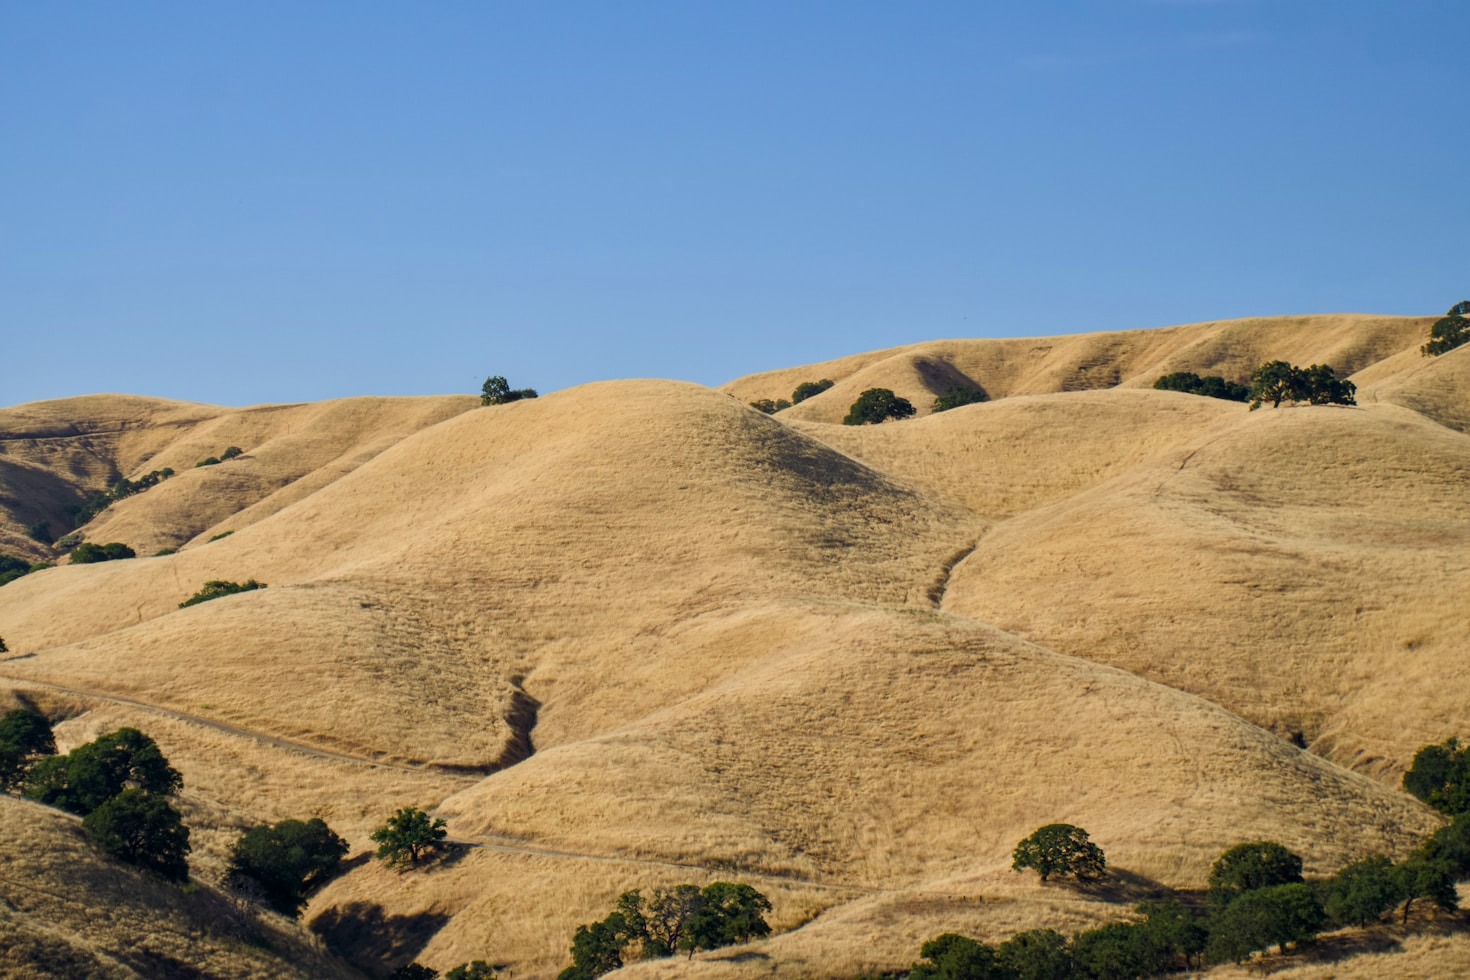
(638, 633)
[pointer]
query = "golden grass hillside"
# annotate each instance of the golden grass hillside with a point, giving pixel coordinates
(636, 633)
(1304, 567)
(1081, 362)
(68, 911)
(56, 453)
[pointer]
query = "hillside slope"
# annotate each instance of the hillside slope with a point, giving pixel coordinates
(636, 633)
(67, 911)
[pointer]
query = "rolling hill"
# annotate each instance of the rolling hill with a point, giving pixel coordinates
(636, 633)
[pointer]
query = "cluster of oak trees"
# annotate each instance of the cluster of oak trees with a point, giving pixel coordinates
(1256, 898)
(682, 919)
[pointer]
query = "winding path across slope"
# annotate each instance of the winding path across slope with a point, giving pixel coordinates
(219, 726)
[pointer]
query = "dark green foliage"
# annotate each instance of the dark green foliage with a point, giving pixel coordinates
(1462, 308)
(230, 453)
(1041, 954)
(1419, 878)
(94, 773)
(26, 731)
(216, 589)
(98, 502)
(286, 861)
(666, 916)
(88, 554)
(207, 461)
(1450, 845)
(1060, 849)
(808, 389)
(1174, 932)
(3, 647)
(1447, 334)
(1211, 386)
(727, 914)
(475, 970)
(956, 957)
(1250, 866)
(1278, 381)
(219, 536)
(1440, 776)
(1118, 951)
(1265, 917)
(408, 836)
(413, 971)
(12, 569)
(684, 918)
(956, 396)
(142, 828)
(597, 948)
(1361, 892)
(165, 551)
(40, 531)
(1324, 388)
(497, 391)
(769, 407)
(877, 405)
(24, 737)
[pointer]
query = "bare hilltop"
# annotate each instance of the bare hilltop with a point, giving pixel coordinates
(638, 633)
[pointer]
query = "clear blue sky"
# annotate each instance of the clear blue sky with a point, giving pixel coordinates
(253, 202)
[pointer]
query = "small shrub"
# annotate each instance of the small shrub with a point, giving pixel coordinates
(957, 396)
(217, 588)
(12, 568)
(1060, 849)
(1440, 776)
(877, 405)
(497, 391)
(475, 970)
(91, 774)
(1249, 867)
(1278, 381)
(230, 453)
(165, 551)
(1211, 386)
(90, 554)
(1447, 334)
(955, 957)
(1361, 892)
(285, 861)
(809, 389)
(207, 461)
(24, 737)
(69, 541)
(40, 531)
(222, 534)
(407, 837)
(770, 407)
(142, 828)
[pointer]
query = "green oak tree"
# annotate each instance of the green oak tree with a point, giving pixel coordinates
(408, 836)
(1060, 849)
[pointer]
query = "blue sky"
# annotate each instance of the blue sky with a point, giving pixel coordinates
(261, 202)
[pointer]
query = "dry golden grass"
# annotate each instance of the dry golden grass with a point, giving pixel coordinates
(1079, 362)
(760, 649)
(68, 911)
(1303, 567)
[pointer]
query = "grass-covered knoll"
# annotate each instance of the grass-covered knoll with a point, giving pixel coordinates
(67, 910)
(635, 635)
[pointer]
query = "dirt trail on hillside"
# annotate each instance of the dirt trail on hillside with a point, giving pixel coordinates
(219, 726)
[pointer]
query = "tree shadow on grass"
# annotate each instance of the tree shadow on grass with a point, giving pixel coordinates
(1126, 887)
(363, 935)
